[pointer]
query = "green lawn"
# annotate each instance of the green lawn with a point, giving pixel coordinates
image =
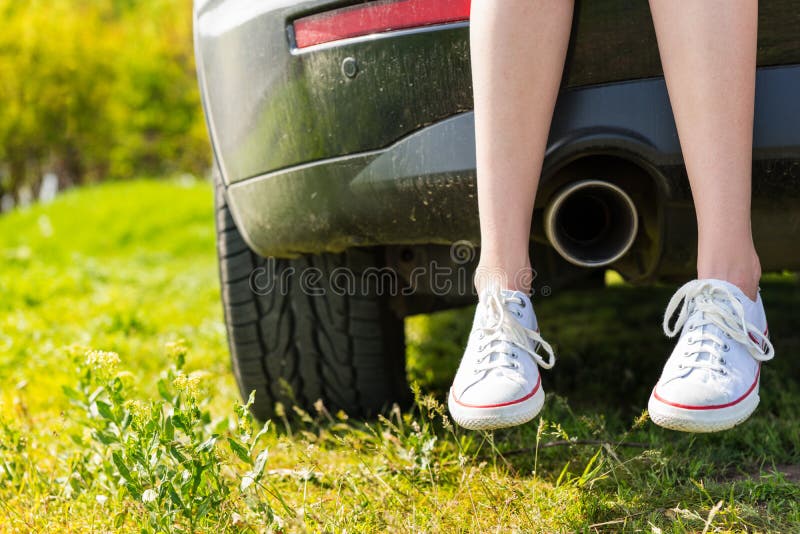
(152, 444)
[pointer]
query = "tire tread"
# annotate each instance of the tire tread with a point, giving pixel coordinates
(295, 348)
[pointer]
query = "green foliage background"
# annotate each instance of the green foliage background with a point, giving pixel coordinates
(96, 89)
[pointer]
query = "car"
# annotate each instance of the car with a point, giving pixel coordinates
(344, 147)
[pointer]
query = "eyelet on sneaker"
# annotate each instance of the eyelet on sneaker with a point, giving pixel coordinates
(690, 340)
(514, 355)
(523, 303)
(726, 348)
(518, 314)
(480, 336)
(692, 328)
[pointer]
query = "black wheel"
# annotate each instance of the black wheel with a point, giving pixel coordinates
(304, 341)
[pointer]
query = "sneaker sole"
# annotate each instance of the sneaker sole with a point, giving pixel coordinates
(701, 420)
(490, 418)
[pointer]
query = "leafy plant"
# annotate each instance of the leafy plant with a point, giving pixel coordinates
(167, 454)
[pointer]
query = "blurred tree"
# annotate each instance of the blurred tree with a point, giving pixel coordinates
(96, 89)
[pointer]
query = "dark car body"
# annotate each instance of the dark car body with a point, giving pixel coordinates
(359, 153)
(317, 159)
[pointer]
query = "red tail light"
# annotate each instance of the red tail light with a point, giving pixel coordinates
(376, 17)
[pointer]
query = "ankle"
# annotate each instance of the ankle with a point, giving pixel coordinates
(505, 275)
(743, 273)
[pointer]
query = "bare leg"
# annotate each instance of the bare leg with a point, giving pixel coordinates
(518, 50)
(708, 49)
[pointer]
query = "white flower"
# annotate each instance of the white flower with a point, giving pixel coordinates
(102, 360)
(149, 496)
(101, 498)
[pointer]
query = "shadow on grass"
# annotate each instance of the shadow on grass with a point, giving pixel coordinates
(610, 350)
(608, 341)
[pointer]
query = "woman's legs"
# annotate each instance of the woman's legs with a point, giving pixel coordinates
(708, 49)
(518, 51)
(710, 381)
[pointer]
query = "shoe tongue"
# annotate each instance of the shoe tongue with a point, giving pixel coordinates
(733, 288)
(527, 317)
(517, 312)
(714, 330)
(705, 356)
(747, 303)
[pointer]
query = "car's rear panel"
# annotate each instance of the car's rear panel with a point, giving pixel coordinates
(318, 159)
(272, 106)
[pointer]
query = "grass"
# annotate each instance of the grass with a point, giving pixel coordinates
(151, 436)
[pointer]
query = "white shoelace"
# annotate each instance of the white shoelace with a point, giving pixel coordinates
(501, 330)
(706, 304)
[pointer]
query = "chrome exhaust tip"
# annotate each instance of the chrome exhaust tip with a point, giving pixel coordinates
(591, 223)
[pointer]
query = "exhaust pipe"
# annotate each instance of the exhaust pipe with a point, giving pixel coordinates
(591, 223)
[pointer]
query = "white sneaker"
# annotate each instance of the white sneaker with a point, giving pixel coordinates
(710, 382)
(498, 383)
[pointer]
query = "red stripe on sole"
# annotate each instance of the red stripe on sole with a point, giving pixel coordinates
(717, 406)
(712, 407)
(502, 404)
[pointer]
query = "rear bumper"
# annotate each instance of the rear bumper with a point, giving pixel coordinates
(270, 106)
(421, 189)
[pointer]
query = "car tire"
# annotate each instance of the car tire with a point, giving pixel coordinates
(296, 348)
